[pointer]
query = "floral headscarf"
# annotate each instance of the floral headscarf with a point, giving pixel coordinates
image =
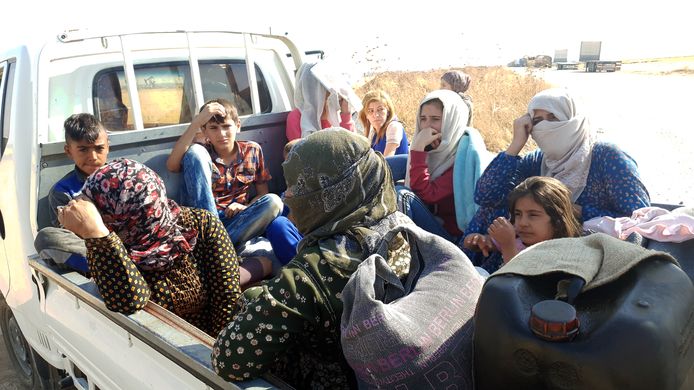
(132, 200)
(458, 80)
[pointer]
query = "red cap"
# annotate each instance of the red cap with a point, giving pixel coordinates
(554, 320)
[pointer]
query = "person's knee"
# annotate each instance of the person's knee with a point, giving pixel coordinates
(273, 204)
(196, 156)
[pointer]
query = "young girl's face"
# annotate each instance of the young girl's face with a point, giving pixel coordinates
(531, 221)
(376, 113)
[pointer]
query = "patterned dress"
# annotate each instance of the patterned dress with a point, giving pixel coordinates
(343, 200)
(213, 264)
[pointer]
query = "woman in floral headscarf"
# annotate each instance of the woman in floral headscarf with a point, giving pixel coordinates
(142, 246)
(603, 179)
(341, 196)
(458, 82)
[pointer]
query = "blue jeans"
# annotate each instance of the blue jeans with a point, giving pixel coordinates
(252, 221)
(398, 166)
(196, 189)
(284, 237)
(410, 205)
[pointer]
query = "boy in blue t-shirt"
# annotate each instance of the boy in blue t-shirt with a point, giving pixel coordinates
(86, 143)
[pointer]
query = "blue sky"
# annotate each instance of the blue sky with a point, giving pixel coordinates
(433, 34)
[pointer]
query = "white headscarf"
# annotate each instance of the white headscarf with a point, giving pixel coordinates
(315, 81)
(453, 125)
(566, 144)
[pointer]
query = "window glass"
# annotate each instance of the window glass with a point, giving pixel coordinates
(229, 80)
(166, 92)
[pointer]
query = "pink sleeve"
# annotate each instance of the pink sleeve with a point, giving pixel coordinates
(346, 122)
(429, 191)
(293, 125)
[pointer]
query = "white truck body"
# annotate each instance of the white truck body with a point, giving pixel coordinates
(60, 313)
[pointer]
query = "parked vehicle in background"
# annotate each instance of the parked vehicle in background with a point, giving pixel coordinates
(144, 87)
(590, 56)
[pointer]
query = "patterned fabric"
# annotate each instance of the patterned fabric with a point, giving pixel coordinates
(613, 188)
(457, 79)
(231, 183)
(132, 200)
(212, 266)
(341, 194)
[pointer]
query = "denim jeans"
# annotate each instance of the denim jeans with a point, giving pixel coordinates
(252, 221)
(410, 205)
(398, 166)
(196, 189)
(284, 238)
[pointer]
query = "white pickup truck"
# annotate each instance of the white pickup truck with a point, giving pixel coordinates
(145, 87)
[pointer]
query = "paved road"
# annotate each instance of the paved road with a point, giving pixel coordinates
(649, 116)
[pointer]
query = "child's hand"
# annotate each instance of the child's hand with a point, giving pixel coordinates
(424, 138)
(503, 232)
(234, 209)
(207, 113)
(478, 243)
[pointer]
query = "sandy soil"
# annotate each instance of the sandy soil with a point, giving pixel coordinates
(8, 377)
(648, 114)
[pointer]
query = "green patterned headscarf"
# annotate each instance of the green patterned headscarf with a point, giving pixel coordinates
(338, 191)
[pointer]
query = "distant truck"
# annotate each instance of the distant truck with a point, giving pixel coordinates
(590, 55)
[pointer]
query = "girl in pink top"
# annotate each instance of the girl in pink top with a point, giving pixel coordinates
(318, 97)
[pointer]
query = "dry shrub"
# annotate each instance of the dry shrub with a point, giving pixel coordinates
(499, 96)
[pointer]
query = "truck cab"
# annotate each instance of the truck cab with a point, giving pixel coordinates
(145, 87)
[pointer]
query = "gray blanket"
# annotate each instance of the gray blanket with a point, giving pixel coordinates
(598, 258)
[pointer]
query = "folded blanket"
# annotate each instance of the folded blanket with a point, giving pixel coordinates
(471, 159)
(598, 259)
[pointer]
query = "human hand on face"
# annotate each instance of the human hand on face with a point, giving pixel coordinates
(82, 218)
(424, 138)
(344, 106)
(503, 232)
(234, 209)
(522, 128)
(478, 243)
(207, 113)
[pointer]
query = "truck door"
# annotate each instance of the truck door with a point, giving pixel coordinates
(5, 178)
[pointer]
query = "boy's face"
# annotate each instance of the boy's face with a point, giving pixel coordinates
(221, 135)
(88, 156)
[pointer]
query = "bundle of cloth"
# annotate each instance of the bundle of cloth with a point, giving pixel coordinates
(650, 222)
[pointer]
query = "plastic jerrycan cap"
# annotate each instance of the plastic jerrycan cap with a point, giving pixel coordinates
(555, 320)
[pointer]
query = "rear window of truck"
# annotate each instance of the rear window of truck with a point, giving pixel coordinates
(165, 91)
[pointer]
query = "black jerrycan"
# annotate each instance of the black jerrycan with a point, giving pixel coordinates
(633, 333)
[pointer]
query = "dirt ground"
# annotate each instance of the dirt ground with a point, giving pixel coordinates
(8, 377)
